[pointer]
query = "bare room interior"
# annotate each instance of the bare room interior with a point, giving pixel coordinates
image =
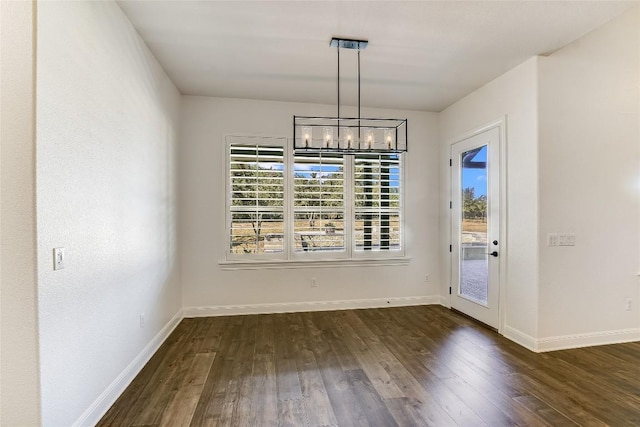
(320, 213)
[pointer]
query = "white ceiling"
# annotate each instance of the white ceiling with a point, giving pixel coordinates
(422, 55)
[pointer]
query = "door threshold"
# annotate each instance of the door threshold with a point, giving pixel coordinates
(474, 320)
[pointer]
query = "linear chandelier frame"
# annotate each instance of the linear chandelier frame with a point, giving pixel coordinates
(349, 135)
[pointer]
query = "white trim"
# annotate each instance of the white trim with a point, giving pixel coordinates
(444, 301)
(519, 337)
(107, 398)
(294, 307)
(501, 124)
(270, 141)
(288, 255)
(564, 342)
(313, 263)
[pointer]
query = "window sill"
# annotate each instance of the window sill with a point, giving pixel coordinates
(316, 263)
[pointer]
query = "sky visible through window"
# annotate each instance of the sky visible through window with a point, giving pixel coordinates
(394, 172)
(476, 178)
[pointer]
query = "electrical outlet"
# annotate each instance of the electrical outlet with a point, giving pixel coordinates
(58, 258)
(314, 283)
(142, 320)
(426, 278)
(627, 304)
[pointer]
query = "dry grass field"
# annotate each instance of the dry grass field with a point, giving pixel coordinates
(329, 234)
(476, 226)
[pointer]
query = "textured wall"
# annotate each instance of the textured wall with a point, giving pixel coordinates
(106, 142)
(589, 181)
(205, 122)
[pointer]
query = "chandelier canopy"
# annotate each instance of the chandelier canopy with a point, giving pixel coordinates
(349, 135)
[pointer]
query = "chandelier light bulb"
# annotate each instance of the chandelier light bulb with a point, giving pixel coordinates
(369, 138)
(348, 137)
(307, 136)
(388, 138)
(328, 137)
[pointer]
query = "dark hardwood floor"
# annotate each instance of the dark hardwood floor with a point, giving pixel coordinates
(409, 366)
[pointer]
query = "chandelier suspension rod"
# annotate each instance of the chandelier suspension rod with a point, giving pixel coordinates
(338, 48)
(359, 135)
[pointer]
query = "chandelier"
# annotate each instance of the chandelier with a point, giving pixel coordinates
(349, 135)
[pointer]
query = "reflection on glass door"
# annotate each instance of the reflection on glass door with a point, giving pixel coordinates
(474, 266)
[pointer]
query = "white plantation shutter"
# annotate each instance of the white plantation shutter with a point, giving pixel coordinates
(377, 204)
(318, 202)
(257, 207)
(283, 205)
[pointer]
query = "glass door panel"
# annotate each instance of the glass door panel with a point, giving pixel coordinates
(474, 266)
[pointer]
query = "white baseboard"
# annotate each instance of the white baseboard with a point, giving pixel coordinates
(101, 405)
(519, 337)
(444, 301)
(293, 307)
(565, 342)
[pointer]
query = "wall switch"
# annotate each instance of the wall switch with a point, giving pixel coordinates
(566, 239)
(627, 304)
(58, 258)
(142, 320)
(314, 284)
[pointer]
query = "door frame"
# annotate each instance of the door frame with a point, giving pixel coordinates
(501, 124)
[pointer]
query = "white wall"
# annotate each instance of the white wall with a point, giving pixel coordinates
(106, 141)
(19, 389)
(573, 153)
(589, 181)
(514, 95)
(205, 122)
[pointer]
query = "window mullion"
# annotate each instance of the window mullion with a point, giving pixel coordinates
(349, 204)
(289, 202)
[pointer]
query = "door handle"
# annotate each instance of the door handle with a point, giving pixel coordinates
(494, 253)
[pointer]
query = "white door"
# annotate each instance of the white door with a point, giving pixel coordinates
(475, 226)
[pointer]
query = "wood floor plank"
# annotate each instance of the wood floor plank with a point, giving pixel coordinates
(375, 410)
(142, 398)
(264, 395)
(287, 379)
(315, 398)
(368, 352)
(214, 393)
(406, 366)
(540, 408)
(438, 405)
(180, 409)
(328, 353)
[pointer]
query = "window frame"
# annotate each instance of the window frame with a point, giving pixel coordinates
(315, 255)
(289, 258)
(231, 140)
(372, 254)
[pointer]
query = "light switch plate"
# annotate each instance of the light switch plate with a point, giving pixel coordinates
(566, 239)
(58, 258)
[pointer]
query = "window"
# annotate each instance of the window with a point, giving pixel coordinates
(303, 206)
(256, 176)
(377, 202)
(318, 203)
